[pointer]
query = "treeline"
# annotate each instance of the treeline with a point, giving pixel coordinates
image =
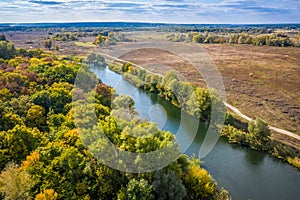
(230, 29)
(274, 39)
(111, 39)
(74, 35)
(43, 149)
(182, 28)
(67, 36)
(194, 100)
(8, 50)
(198, 101)
(258, 138)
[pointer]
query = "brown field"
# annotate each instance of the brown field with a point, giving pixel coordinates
(262, 81)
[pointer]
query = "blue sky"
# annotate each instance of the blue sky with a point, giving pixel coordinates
(169, 11)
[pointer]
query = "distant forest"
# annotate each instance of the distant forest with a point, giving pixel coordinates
(283, 35)
(132, 25)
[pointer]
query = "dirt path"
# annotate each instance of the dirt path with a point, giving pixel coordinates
(278, 130)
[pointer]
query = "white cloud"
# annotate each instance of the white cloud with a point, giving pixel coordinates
(183, 11)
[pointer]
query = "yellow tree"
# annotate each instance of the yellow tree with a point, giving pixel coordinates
(36, 116)
(48, 194)
(99, 40)
(198, 183)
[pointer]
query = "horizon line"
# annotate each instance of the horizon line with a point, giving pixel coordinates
(147, 22)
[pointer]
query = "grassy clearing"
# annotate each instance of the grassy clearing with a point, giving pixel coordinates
(85, 44)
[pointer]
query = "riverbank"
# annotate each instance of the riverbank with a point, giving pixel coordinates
(142, 79)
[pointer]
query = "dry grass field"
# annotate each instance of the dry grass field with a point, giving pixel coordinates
(261, 81)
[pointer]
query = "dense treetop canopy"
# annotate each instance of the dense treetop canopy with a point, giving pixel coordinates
(42, 154)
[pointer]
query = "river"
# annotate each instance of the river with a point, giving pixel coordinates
(245, 173)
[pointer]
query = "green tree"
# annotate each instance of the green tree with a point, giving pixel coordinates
(123, 101)
(5, 94)
(199, 104)
(2, 37)
(235, 135)
(19, 142)
(109, 182)
(55, 121)
(198, 38)
(36, 117)
(233, 38)
(7, 50)
(15, 183)
(259, 129)
(96, 60)
(138, 190)
(167, 87)
(152, 81)
(183, 92)
(126, 66)
(63, 171)
(20, 105)
(168, 186)
(55, 98)
(9, 120)
(48, 44)
(42, 98)
(229, 119)
(61, 73)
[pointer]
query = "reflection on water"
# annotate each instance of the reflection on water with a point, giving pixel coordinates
(254, 158)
